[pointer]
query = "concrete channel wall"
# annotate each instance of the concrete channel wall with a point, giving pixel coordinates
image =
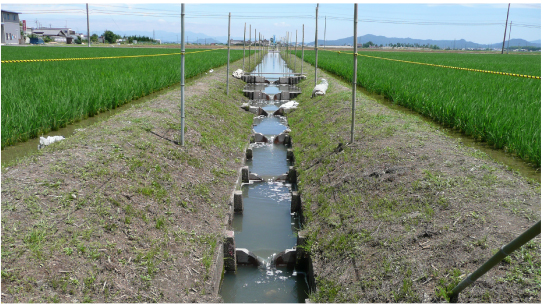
(292, 258)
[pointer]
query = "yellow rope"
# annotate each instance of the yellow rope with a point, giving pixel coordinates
(440, 66)
(110, 57)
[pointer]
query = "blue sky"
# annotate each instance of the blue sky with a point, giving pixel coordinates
(481, 23)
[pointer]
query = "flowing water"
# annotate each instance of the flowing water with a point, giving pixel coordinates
(266, 226)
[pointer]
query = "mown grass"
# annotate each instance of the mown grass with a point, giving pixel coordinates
(502, 110)
(42, 96)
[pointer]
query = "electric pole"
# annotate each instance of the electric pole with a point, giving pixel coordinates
(88, 29)
(505, 26)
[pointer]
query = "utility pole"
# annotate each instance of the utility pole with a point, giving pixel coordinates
(88, 29)
(182, 74)
(354, 77)
(509, 32)
(228, 67)
(505, 26)
(302, 48)
(316, 49)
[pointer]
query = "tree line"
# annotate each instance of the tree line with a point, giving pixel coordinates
(399, 45)
(111, 37)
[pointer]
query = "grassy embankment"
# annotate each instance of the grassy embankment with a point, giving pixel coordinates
(119, 213)
(405, 213)
(42, 96)
(502, 110)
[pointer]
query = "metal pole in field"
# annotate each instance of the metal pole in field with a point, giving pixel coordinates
(228, 66)
(255, 50)
(506, 250)
(88, 30)
(249, 39)
(505, 26)
(316, 49)
(354, 77)
(302, 48)
(295, 50)
(182, 74)
(244, 37)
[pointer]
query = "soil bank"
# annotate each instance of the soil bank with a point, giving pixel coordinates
(120, 213)
(405, 212)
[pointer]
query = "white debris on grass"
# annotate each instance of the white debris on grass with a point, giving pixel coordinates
(289, 106)
(49, 140)
(238, 73)
(320, 89)
(211, 71)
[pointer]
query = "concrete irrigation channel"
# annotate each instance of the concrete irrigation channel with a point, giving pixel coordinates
(261, 248)
(120, 213)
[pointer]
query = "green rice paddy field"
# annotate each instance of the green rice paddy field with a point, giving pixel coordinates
(502, 110)
(42, 96)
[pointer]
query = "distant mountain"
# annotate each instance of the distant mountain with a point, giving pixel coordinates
(535, 41)
(461, 43)
(164, 36)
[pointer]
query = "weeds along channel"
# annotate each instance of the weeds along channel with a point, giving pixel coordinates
(118, 212)
(41, 96)
(405, 212)
(502, 110)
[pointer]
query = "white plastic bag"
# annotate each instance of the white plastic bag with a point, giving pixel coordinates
(320, 89)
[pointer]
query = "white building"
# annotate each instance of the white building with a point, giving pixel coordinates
(11, 30)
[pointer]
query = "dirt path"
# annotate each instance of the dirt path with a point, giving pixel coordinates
(120, 213)
(405, 212)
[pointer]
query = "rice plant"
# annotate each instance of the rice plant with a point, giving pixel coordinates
(501, 110)
(42, 96)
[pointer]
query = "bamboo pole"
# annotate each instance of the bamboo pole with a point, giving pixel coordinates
(182, 74)
(354, 77)
(506, 250)
(228, 66)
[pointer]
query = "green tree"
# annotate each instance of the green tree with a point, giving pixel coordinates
(94, 38)
(110, 37)
(78, 40)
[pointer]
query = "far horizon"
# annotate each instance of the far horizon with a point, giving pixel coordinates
(479, 23)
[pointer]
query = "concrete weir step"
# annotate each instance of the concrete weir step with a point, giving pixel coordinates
(286, 258)
(254, 79)
(288, 80)
(247, 258)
